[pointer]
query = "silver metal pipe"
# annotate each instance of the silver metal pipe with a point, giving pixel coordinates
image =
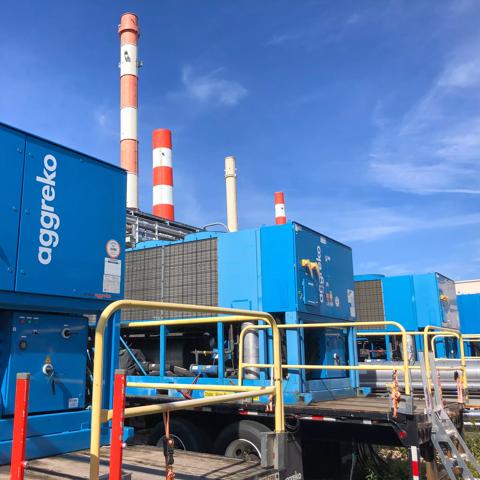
(250, 351)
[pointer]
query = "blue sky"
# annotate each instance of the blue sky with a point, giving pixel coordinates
(366, 114)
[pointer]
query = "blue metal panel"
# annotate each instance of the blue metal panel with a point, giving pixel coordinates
(37, 340)
(12, 147)
(278, 268)
(435, 300)
(288, 286)
(427, 300)
(70, 212)
(469, 310)
(54, 434)
(72, 205)
(335, 286)
(239, 270)
(399, 301)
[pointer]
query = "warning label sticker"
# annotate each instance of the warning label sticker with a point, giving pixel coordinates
(112, 275)
(113, 249)
(73, 402)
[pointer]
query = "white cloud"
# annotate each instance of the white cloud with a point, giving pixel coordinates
(435, 146)
(211, 87)
(461, 75)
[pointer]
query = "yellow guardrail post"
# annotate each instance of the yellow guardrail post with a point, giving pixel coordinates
(232, 315)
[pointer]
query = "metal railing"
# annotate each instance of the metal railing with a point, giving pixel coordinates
(100, 415)
(471, 337)
(435, 332)
(406, 370)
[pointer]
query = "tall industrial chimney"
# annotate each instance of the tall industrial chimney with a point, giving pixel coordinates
(231, 188)
(280, 215)
(162, 174)
(129, 33)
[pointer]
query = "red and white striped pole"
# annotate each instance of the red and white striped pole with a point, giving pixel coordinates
(18, 464)
(415, 463)
(280, 215)
(118, 419)
(129, 33)
(162, 174)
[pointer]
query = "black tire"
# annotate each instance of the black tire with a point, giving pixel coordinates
(247, 430)
(187, 436)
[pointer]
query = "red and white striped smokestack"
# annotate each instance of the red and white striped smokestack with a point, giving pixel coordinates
(280, 215)
(129, 33)
(162, 174)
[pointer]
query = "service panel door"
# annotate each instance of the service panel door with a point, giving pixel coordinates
(72, 227)
(326, 288)
(52, 348)
(12, 151)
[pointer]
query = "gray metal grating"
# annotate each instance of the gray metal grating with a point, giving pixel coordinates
(185, 272)
(369, 302)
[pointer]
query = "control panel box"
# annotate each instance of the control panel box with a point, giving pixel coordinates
(53, 349)
(63, 220)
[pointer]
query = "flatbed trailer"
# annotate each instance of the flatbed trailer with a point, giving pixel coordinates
(357, 419)
(142, 462)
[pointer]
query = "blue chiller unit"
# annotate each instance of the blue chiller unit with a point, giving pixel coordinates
(468, 298)
(61, 255)
(293, 272)
(414, 301)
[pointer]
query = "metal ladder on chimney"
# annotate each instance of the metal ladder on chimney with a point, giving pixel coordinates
(453, 452)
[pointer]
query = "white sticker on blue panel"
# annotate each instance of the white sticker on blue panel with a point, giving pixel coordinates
(112, 275)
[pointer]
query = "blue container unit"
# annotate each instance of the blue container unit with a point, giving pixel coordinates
(61, 255)
(270, 269)
(468, 298)
(414, 301)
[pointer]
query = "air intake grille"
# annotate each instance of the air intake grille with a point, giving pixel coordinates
(369, 302)
(184, 272)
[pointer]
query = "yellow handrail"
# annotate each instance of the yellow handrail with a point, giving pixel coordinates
(428, 330)
(439, 331)
(402, 331)
(230, 315)
(435, 338)
(196, 402)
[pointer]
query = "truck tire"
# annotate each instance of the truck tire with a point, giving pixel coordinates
(241, 440)
(186, 435)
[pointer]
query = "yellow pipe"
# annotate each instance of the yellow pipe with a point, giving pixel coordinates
(198, 402)
(402, 331)
(367, 333)
(436, 337)
(185, 321)
(188, 386)
(326, 367)
(237, 315)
